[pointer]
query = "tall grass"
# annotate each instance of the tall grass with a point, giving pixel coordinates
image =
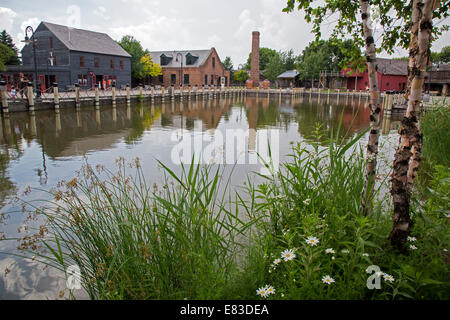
(132, 241)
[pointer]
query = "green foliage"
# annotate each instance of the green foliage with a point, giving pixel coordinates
(436, 140)
(394, 18)
(441, 57)
(279, 63)
(321, 55)
(134, 48)
(147, 68)
(7, 40)
(265, 54)
(240, 76)
(6, 54)
(228, 64)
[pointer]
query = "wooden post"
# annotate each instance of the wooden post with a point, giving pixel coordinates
(56, 96)
(141, 88)
(153, 93)
(328, 96)
(162, 94)
(390, 104)
(338, 95)
(172, 88)
(30, 96)
(214, 91)
(181, 93)
(113, 94)
(310, 94)
(4, 97)
(128, 94)
(318, 99)
(346, 97)
(189, 92)
(97, 98)
(77, 96)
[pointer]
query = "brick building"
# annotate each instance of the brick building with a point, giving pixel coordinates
(68, 56)
(392, 76)
(193, 67)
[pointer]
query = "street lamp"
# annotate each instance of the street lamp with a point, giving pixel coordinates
(181, 70)
(34, 41)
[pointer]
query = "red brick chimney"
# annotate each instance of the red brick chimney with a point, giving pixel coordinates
(254, 67)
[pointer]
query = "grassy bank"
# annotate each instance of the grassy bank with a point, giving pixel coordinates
(298, 235)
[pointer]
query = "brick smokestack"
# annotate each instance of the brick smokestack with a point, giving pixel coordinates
(254, 68)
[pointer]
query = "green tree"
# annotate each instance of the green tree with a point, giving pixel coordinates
(265, 54)
(228, 64)
(134, 48)
(322, 55)
(7, 40)
(240, 76)
(5, 55)
(147, 68)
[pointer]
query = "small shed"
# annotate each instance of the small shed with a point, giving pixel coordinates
(289, 79)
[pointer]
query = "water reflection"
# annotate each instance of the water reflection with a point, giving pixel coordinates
(42, 148)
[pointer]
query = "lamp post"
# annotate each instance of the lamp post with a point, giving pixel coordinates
(34, 41)
(181, 70)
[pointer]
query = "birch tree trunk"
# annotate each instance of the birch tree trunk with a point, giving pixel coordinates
(375, 109)
(404, 168)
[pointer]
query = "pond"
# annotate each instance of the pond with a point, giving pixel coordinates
(40, 150)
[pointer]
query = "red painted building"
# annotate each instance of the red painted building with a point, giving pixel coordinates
(392, 75)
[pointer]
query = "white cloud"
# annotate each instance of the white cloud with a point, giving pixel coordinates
(6, 19)
(101, 12)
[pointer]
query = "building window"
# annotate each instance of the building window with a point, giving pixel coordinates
(165, 60)
(96, 62)
(160, 78)
(51, 43)
(81, 62)
(212, 79)
(206, 79)
(173, 78)
(190, 59)
(112, 64)
(213, 62)
(186, 79)
(121, 64)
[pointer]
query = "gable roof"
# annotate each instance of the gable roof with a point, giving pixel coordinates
(85, 40)
(289, 74)
(201, 54)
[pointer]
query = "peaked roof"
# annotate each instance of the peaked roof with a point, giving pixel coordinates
(289, 74)
(85, 40)
(201, 54)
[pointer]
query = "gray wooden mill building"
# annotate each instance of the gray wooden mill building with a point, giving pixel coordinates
(68, 55)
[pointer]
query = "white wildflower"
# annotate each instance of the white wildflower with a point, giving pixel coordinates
(312, 241)
(327, 279)
(288, 254)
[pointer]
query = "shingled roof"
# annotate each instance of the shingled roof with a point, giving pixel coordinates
(86, 41)
(202, 55)
(393, 67)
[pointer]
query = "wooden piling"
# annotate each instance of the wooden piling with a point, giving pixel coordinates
(30, 96)
(4, 97)
(56, 96)
(128, 94)
(77, 96)
(152, 93)
(162, 94)
(97, 98)
(113, 94)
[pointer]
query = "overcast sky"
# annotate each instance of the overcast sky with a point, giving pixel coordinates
(175, 24)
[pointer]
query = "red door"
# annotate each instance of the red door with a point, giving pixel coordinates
(41, 82)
